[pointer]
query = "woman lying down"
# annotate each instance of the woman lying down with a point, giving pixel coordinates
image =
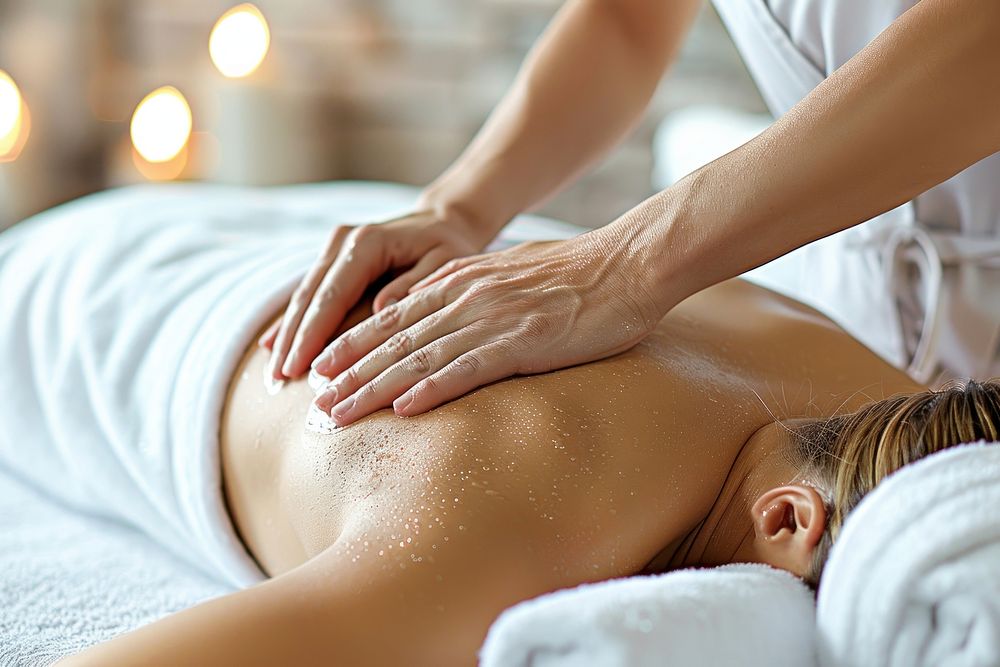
(744, 430)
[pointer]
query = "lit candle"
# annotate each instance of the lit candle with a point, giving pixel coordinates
(263, 134)
(15, 127)
(15, 122)
(240, 41)
(161, 131)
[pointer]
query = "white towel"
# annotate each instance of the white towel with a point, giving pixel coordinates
(69, 581)
(124, 316)
(740, 615)
(914, 580)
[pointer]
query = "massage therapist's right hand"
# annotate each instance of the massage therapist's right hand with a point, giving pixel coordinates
(353, 258)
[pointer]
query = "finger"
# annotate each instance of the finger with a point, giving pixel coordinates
(354, 269)
(300, 300)
(397, 289)
(445, 271)
(266, 339)
(387, 346)
(481, 366)
(403, 375)
(368, 335)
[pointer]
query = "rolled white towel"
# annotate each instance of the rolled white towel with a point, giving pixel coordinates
(746, 615)
(914, 580)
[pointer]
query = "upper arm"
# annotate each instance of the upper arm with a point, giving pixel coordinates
(652, 30)
(656, 27)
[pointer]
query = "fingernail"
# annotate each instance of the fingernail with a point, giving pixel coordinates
(402, 402)
(286, 370)
(327, 399)
(390, 302)
(322, 359)
(271, 383)
(340, 412)
(273, 386)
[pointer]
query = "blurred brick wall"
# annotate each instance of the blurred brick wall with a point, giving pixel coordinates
(386, 89)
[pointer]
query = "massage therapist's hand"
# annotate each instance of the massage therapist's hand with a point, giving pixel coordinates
(352, 259)
(532, 308)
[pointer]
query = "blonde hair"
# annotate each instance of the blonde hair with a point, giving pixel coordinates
(848, 455)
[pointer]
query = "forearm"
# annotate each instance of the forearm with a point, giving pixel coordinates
(580, 90)
(915, 107)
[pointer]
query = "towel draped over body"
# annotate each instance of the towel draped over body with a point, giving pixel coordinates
(124, 316)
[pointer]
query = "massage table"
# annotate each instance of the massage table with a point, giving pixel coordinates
(914, 580)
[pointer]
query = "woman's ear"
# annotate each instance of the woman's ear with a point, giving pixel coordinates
(788, 521)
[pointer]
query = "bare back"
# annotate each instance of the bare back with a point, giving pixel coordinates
(604, 464)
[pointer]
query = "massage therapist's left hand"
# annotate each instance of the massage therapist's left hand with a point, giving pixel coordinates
(529, 309)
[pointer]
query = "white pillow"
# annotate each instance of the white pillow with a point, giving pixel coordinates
(746, 615)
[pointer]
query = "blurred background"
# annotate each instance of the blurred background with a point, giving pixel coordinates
(104, 93)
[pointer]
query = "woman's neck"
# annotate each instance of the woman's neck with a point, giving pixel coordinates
(726, 534)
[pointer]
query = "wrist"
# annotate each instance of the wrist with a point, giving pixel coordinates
(654, 243)
(474, 220)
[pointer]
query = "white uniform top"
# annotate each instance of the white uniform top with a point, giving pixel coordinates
(920, 284)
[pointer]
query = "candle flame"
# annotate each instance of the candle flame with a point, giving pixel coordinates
(14, 119)
(239, 41)
(161, 125)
